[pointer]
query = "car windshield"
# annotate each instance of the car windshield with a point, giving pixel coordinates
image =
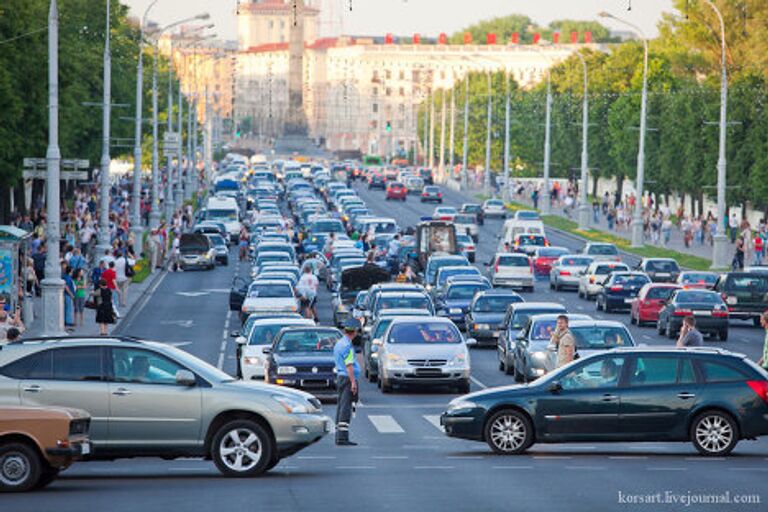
(698, 278)
(495, 304)
(431, 189)
(601, 338)
(603, 250)
(270, 291)
(221, 215)
(519, 318)
(464, 239)
(380, 328)
(273, 257)
(381, 227)
(424, 333)
(307, 341)
(531, 240)
(662, 266)
(698, 296)
(659, 292)
(748, 283)
(264, 334)
(542, 330)
(464, 219)
(463, 271)
(552, 252)
(404, 303)
(465, 291)
(495, 202)
(630, 280)
(217, 240)
(527, 215)
(602, 270)
(511, 260)
(575, 262)
(327, 226)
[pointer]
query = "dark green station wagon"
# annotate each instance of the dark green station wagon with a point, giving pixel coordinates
(710, 397)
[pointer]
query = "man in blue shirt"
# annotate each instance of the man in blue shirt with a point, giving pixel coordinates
(347, 373)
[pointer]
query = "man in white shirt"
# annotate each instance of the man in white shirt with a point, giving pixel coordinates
(121, 264)
(307, 288)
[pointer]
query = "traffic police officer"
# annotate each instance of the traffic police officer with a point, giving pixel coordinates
(347, 374)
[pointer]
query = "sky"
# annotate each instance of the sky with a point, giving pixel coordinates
(427, 17)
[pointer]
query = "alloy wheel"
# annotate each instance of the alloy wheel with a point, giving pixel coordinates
(508, 433)
(714, 433)
(240, 449)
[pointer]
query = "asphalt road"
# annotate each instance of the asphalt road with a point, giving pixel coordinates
(404, 462)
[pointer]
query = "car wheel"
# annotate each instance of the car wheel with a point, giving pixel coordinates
(551, 285)
(47, 476)
(372, 377)
(463, 387)
(529, 289)
(385, 386)
(597, 305)
(274, 462)
(756, 321)
(669, 332)
(632, 318)
(579, 294)
(20, 467)
(723, 335)
(714, 433)
(519, 376)
(226, 262)
(509, 432)
(502, 366)
(242, 448)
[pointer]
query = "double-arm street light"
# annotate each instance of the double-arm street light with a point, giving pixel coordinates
(105, 241)
(720, 250)
(584, 207)
(637, 218)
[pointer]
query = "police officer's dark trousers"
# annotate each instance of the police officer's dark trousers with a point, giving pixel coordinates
(343, 408)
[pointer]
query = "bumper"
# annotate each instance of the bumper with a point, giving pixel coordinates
(435, 377)
(456, 318)
(223, 257)
(464, 427)
(196, 263)
(251, 372)
(707, 325)
(743, 315)
(315, 384)
(513, 282)
(300, 431)
(489, 334)
(619, 302)
(567, 281)
(63, 457)
(593, 289)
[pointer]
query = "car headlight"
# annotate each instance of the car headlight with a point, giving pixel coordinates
(458, 360)
(293, 405)
(252, 360)
(454, 311)
(343, 309)
(286, 370)
(484, 327)
(396, 360)
(540, 356)
(461, 405)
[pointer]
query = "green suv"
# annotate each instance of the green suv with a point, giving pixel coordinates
(150, 399)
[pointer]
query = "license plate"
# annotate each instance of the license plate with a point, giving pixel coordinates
(327, 426)
(85, 449)
(496, 334)
(702, 313)
(629, 301)
(663, 274)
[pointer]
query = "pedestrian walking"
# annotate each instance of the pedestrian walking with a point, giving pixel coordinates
(307, 288)
(733, 225)
(69, 297)
(123, 280)
(347, 374)
(764, 323)
(689, 335)
(110, 276)
(81, 293)
(105, 312)
(738, 257)
(564, 342)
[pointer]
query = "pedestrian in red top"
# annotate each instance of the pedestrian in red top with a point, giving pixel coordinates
(110, 276)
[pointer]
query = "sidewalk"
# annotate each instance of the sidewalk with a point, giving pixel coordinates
(136, 295)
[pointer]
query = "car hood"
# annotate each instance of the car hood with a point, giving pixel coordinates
(269, 302)
(487, 318)
(425, 351)
(263, 387)
(457, 303)
(303, 358)
(362, 278)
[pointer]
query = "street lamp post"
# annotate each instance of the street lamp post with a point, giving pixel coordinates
(546, 203)
(506, 137)
(105, 240)
(431, 130)
(169, 207)
(451, 146)
(441, 164)
(720, 249)
(487, 173)
(584, 207)
(179, 199)
(637, 218)
(52, 285)
(466, 133)
(136, 228)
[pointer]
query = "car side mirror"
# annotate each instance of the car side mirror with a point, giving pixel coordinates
(240, 340)
(555, 387)
(185, 378)
(234, 334)
(471, 342)
(266, 350)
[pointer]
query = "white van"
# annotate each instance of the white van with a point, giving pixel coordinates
(226, 211)
(513, 227)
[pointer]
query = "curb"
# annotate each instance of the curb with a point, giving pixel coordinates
(154, 281)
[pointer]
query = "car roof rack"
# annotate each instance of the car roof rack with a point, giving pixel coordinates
(39, 339)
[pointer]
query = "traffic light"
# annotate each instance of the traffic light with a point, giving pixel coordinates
(389, 126)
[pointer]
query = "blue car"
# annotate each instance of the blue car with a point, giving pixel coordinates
(302, 358)
(485, 316)
(452, 300)
(620, 290)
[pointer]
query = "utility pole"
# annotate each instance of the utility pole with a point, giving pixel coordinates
(506, 137)
(154, 212)
(431, 131)
(584, 207)
(105, 240)
(179, 199)
(465, 148)
(169, 208)
(441, 165)
(487, 174)
(451, 155)
(190, 136)
(426, 135)
(52, 285)
(545, 205)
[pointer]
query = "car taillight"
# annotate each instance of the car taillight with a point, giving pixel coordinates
(496, 267)
(530, 264)
(439, 194)
(760, 387)
(424, 194)
(591, 279)
(564, 273)
(682, 312)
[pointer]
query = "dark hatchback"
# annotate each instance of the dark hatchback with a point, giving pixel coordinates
(660, 270)
(707, 307)
(745, 293)
(711, 398)
(475, 208)
(302, 358)
(453, 299)
(620, 290)
(485, 317)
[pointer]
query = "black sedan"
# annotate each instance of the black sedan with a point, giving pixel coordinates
(707, 307)
(660, 270)
(485, 318)
(475, 208)
(620, 290)
(302, 357)
(710, 398)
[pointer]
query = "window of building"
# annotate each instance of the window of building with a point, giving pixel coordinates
(271, 24)
(402, 91)
(402, 75)
(389, 91)
(388, 74)
(375, 91)
(375, 108)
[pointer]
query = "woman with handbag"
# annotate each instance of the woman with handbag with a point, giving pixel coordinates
(105, 313)
(81, 293)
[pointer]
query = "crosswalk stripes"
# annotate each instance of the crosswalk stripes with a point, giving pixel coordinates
(434, 420)
(385, 424)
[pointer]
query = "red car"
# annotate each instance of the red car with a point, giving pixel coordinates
(396, 190)
(544, 257)
(650, 301)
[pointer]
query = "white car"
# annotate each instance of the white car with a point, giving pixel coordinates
(567, 270)
(494, 208)
(423, 351)
(591, 280)
(602, 251)
(270, 296)
(252, 358)
(513, 270)
(466, 223)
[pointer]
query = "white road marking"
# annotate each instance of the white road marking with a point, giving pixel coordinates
(433, 419)
(588, 468)
(628, 457)
(355, 467)
(179, 323)
(747, 469)
(463, 457)
(386, 424)
(653, 468)
(433, 467)
(511, 467)
(551, 457)
(224, 337)
(389, 457)
(179, 343)
(473, 379)
(316, 457)
(191, 294)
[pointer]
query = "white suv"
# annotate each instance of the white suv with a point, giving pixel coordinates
(513, 270)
